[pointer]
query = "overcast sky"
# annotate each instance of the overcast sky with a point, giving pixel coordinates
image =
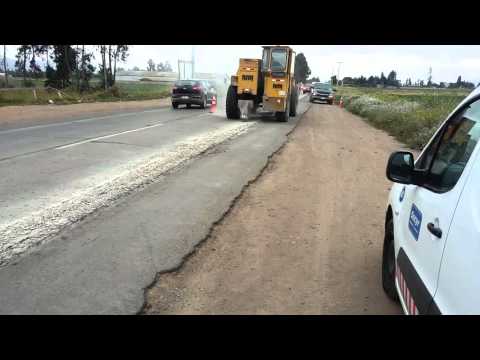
(412, 61)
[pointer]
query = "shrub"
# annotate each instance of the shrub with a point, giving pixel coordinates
(410, 119)
(115, 91)
(28, 83)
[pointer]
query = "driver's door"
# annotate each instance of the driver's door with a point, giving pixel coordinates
(427, 210)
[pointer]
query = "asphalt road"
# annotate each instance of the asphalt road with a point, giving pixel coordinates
(91, 210)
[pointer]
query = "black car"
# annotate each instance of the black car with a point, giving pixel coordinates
(322, 92)
(196, 92)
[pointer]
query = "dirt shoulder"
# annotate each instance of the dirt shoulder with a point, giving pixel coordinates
(30, 115)
(306, 238)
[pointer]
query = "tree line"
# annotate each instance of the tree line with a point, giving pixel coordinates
(69, 65)
(371, 81)
(391, 80)
(302, 73)
(151, 66)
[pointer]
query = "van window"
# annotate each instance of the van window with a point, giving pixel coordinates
(455, 146)
(186, 83)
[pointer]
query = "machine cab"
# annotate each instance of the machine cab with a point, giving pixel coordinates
(278, 61)
(278, 64)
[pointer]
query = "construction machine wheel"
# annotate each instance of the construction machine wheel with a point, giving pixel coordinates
(233, 111)
(283, 116)
(293, 102)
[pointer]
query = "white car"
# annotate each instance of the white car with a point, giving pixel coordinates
(431, 251)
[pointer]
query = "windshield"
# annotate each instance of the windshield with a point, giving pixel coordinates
(279, 60)
(323, 87)
(186, 82)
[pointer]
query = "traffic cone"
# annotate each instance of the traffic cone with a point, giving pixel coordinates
(213, 105)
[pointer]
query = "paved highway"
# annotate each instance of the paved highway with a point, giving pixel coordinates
(92, 209)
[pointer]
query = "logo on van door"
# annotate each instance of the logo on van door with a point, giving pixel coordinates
(415, 221)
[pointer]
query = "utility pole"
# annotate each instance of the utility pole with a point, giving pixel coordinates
(193, 61)
(5, 64)
(338, 71)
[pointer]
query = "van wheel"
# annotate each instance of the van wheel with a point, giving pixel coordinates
(233, 111)
(175, 105)
(204, 104)
(189, 106)
(388, 262)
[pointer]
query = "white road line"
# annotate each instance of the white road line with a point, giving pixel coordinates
(119, 133)
(78, 121)
(106, 136)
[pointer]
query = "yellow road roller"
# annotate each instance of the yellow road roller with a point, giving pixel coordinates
(267, 85)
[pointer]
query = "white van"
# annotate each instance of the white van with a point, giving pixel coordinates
(431, 251)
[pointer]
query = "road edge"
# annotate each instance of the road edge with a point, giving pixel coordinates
(218, 222)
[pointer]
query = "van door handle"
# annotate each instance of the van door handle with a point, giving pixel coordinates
(434, 230)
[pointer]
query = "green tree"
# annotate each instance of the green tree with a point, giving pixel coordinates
(459, 81)
(64, 57)
(150, 65)
(36, 51)
(110, 55)
(164, 67)
(348, 81)
(392, 78)
(301, 71)
(85, 70)
(23, 53)
(120, 54)
(371, 81)
(383, 80)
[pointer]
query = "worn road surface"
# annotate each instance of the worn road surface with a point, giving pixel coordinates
(305, 238)
(93, 205)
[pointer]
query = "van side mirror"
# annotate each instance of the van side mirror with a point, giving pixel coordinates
(400, 167)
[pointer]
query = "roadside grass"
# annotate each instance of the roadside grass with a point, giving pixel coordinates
(410, 115)
(122, 91)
